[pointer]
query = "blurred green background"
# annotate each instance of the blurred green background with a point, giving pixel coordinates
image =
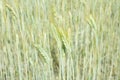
(59, 40)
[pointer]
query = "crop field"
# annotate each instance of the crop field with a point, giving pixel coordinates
(59, 39)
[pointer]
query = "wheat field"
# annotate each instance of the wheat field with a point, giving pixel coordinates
(59, 39)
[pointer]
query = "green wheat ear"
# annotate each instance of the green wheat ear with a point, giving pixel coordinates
(93, 26)
(91, 22)
(10, 8)
(63, 37)
(42, 53)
